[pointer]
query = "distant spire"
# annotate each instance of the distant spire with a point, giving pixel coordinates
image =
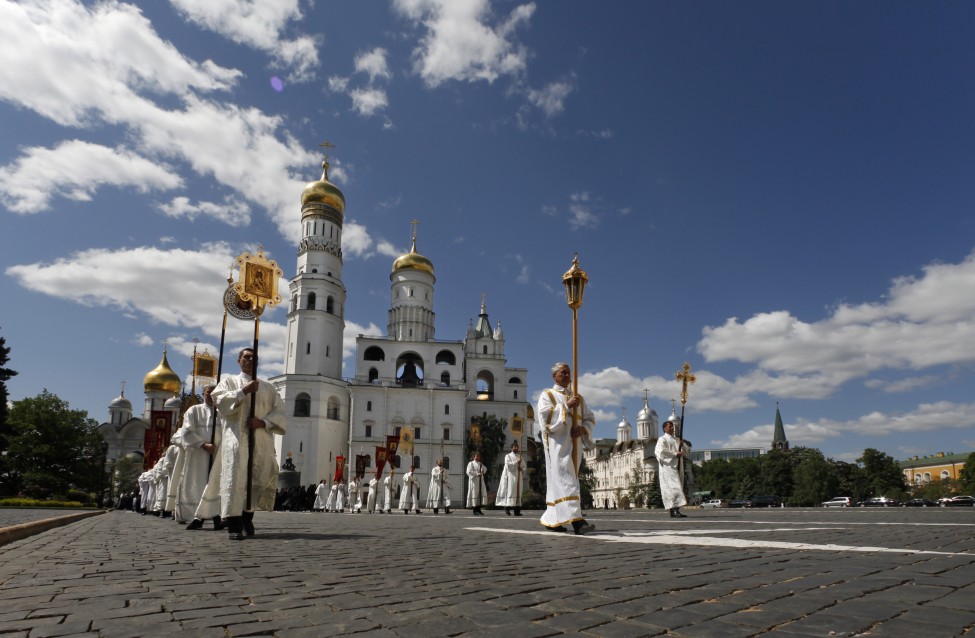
(779, 442)
(483, 328)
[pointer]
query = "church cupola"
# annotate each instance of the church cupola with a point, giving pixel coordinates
(624, 431)
(411, 316)
(646, 420)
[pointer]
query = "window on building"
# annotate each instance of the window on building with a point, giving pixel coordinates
(333, 410)
(368, 431)
(330, 305)
(373, 375)
(311, 301)
(446, 409)
(308, 348)
(446, 462)
(416, 462)
(944, 475)
(446, 434)
(396, 432)
(416, 434)
(368, 406)
(396, 461)
(445, 378)
(303, 405)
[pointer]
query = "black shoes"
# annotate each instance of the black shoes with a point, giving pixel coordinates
(218, 524)
(248, 520)
(507, 511)
(582, 527)
(675, 513)
(560, 529)
(517, 511)
(419, 512)
(195, 524)
(447, 510)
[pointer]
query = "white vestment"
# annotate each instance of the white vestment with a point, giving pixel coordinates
(333, 497)
(387, 493)
(197, 429)
(563, 455)
(438, 477)
(340, 497)
(164, 469)
(409, 496)
(476, 487)
(669, 475)
(321, 497)
(510, 486)
(371, 499)
(355, 494)
(175, 474)
(234, 408)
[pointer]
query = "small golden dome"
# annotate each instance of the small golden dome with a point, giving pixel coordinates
(413, 260)
(323, 191)
(162, 378)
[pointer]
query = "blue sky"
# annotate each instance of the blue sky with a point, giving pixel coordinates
(780, 194)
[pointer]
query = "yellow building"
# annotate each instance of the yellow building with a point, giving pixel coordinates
(936, 467)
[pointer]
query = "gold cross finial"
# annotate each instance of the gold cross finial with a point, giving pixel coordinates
(327, 145)
(414, 224)
(123, 388)
(685, 377)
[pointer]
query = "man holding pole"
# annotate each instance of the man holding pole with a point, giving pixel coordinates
(476, 488)
(669, 452)
(233, 397)
(509, 489)
(563, 440)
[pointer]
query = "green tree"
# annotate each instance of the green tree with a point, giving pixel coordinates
(536, 467)
(776, 474)
(967, 478)
(814, 480)
(490, 444)
(5, 375)
(718, 476)
(654, 499)
(884, 475)
(587, 482)
(54, 448)
(851, 480)
(126, 475)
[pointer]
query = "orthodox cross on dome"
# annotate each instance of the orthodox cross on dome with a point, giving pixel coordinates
(327, 145)
(165, 345)
(646, 395)
(414, 224)
(123, 390)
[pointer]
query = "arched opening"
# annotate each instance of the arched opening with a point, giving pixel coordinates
(303, 405)
(485, 385)
(333, 409)
(446, 357)
(416, 462)
(373, 375)
(311, 301)
(409, 370)
(445, 379)
(330, 305)
(374, 353)
(446, 462)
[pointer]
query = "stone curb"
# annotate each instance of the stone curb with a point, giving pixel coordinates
(23, 530)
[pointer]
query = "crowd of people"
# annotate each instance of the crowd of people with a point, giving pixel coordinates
(204, 473)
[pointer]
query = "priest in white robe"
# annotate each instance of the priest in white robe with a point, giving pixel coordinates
(476, 487)
(510, 486)
(387, 493)
(668, 452)
(321, 496)
(563, 441)
(333, 497)
(355, 495)
(439, 493)
(198, 454)
(340, 496)
(409, 497)
(373, 492)
(232, 398)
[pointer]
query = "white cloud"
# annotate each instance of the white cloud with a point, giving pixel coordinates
(374, 64)
(142, 339)
(581, 214)
(551, 98)
(927, 417)
(232, 211)
(368, 101)
(76, 170)
(460, 44)
(923, 322)
(902, 385)
(259, 24)
(338, 83)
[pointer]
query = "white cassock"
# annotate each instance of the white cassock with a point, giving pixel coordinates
(371, 499)
(387, 493)
(355, 495)
(176, 473)
(509, 488)
(340, 497)
(433, 494)
(563, 455)
(409, 496)
(669, 474)
(147, 491)
(234, 408)
(476, 487)
(333, 497)
(164, 469)
(197, 429)
(320, 496)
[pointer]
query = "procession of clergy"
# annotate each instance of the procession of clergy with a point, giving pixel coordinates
(203, 474)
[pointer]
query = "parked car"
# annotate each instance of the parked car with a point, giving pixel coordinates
(838, 501)
(919, 502)
(879, 501)
(714, 503)
(766, 501)
(740, 502)
(959, 501)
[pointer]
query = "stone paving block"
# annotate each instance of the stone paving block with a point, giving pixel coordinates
(963, 599)
(62, 629)
(672, 618)
(212, 612)
(25, 603)
(712, 629)
(27, 624)
(623, 629)
(827, 624)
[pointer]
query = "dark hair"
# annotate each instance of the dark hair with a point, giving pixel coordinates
(243, 350)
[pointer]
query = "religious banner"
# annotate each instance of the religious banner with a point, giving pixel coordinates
(205, 365)
(476, 432)
(406, 440)
(156, 439)
(380, 460)
(360, 465)
(339, 468)
(517, 425)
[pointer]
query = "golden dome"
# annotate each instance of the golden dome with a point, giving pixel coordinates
(162, 378)
(413, 260)
(323, 191)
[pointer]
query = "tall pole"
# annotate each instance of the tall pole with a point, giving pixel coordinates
(213, 408)
(685, 377)
(252, 414)
(575, 280)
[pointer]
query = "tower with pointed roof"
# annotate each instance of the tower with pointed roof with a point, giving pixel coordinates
(779, 442)
(316, 396)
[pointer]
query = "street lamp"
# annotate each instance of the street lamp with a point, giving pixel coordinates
(575, 280)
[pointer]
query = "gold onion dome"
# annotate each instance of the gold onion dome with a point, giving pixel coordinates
(162, 378)
(324, 192)
(413, 260)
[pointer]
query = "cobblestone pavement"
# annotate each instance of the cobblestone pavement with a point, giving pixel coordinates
(795, 572)
(17, 516)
